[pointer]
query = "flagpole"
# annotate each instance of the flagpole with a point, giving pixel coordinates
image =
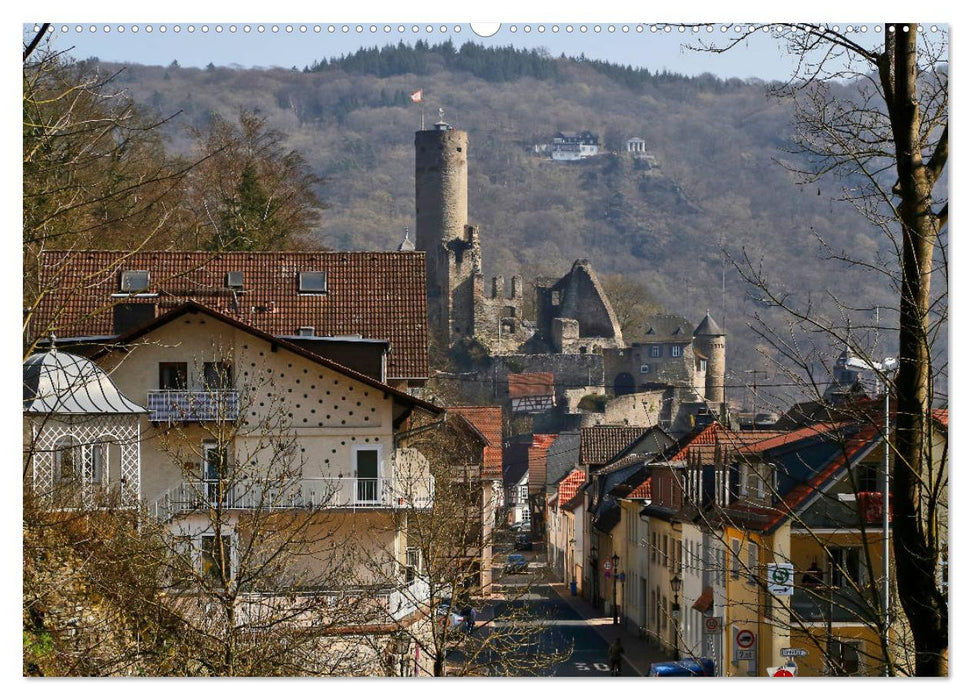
(422, 126)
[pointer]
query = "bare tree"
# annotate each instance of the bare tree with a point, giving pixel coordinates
(884, 136)
(447, 549)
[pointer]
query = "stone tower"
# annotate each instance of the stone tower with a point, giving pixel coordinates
(710, 341)
(451, 245)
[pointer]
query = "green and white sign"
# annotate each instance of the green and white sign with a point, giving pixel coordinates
(780, 579)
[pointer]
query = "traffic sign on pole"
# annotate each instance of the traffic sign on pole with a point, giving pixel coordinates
(712, 625)
(793, 651)
(745, 639)
(780, 579)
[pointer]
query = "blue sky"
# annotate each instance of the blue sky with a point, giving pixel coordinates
(226, 43)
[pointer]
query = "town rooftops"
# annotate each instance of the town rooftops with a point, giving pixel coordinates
(530, 384)
(600, 443)
(487, 420)
(667, 328)
(376, 295)
(708, 326)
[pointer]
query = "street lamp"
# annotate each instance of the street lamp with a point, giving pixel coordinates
(615, 559)
(883, 370)
(676, 614)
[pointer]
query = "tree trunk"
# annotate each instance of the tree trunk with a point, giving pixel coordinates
(915, 532)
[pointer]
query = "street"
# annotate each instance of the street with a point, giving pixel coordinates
(566, 628)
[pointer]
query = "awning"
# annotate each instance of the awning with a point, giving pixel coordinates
(703, 604)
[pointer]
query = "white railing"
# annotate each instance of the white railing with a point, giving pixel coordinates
(270, 494)
(175, 406)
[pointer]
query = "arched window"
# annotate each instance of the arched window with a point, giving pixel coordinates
(66, 459)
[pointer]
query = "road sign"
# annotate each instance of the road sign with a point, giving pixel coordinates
(713, 625)
(793, 651)
(608, 565)
(783, 672)
(780, 579)
(745, 654)
(745, 639)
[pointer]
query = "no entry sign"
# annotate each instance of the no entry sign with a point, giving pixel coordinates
(745, 639)
(713, 625)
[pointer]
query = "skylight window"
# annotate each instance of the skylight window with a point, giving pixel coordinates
(134, 281)
(313, 282)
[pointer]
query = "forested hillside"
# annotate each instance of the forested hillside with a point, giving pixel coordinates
(718, 185)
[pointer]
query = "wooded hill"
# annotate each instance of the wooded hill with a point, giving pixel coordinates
(720, 181)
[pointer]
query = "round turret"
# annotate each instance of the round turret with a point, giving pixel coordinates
(710, 341)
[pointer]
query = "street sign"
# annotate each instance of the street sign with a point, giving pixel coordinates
(712, 625)
(793, 651)
(745, 639)
(780, 579)
(745, 654)
(607, 565)
(783, 672)
(621, 576)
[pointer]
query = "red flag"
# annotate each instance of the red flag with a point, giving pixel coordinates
(416, 96)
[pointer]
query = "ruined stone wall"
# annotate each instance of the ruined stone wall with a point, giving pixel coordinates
(499, 321)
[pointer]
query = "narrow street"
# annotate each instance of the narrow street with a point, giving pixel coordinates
(567, 628)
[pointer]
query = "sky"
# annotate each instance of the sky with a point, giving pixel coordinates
(227, 43)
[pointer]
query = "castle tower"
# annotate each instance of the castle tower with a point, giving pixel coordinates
(710, 341)
(452, 254)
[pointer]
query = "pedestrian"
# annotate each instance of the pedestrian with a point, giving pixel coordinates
(614, 654)
(470, 620)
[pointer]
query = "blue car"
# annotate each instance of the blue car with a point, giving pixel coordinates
(685, 668)
(516, 563)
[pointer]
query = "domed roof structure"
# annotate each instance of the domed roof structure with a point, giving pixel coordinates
(59, 382)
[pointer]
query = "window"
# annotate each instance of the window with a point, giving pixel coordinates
(664, 552)
(217, 376)
(97, 462)
(66, 459)
(655, 350)
(654, 610)
(523, 493)
(173, 376)
(367, 471)
(313, 282)
(134, 281)
(654, 547)
(702, 365)
(215, 465)
(677, 350)
(234, 280)
(844, 656)
(412, 563)
(753, 562)
(868, 478)
(664, 613)
(847, 566)
(645, 369)
(306, 331)
(217, 554)
(631, 528)
(736, 557)
(555, 298)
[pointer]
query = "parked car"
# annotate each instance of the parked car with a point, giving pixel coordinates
(523, 541)
(685, 667)
(449, 616)
(516, 563)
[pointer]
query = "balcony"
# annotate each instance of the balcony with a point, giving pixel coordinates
(826, 603)
(176, 406)
(271, 494)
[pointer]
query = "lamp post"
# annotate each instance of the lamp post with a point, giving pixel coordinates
(883, 370)
(676, 614)
(613, 572)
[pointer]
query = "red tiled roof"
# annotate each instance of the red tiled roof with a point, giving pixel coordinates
(531, 384)
(488, 421)
(569, 485)
(375, 295)
(705, 445)
(940, 415)
(642, 491)
(599, 443)
(537, 461)
(790, 437)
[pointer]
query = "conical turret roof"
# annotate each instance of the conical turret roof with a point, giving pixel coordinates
(708, 326)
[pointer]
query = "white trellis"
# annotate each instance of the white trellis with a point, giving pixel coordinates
(87, 433)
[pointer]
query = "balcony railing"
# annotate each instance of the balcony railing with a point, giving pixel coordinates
(270, 494)
(175, 406)
(830, 603)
